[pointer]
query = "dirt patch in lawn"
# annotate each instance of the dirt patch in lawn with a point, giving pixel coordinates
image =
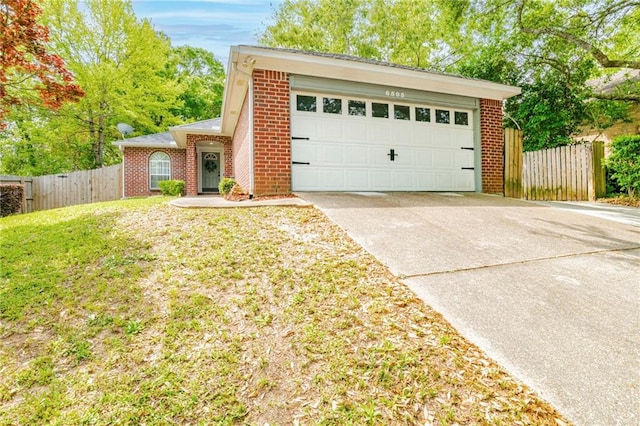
(255, 316)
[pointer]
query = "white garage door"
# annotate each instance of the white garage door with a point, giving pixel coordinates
(351, 144)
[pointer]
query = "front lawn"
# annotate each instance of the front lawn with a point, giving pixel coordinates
(136, 312)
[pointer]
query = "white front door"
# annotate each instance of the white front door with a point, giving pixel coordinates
(210, 171)
(343, 143)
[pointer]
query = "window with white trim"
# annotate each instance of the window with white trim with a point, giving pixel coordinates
(159, 169)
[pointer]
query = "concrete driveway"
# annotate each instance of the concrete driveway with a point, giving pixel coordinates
(552, 294)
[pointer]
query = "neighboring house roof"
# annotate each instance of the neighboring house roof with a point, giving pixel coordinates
(160, 140)
(608, 83)
(166, 139)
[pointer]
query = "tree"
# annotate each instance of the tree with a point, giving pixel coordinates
(120, 62)
(29, 73)
(202, 77)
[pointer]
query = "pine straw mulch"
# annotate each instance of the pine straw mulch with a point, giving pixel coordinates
(274, 316)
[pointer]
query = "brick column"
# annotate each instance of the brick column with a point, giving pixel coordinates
(492, 146)
(271, 133)
(192, 167)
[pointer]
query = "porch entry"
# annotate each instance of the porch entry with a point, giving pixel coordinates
(209, 171)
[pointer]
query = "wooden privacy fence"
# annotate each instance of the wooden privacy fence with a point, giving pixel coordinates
(567, 173)
(68, 189)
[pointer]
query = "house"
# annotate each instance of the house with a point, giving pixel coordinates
(306, 121)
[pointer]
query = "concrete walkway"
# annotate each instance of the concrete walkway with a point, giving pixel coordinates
(216, 201)
(551, 294)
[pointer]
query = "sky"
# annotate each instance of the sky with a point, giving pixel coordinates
(214, 25)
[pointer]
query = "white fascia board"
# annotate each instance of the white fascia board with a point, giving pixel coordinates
(344, 69)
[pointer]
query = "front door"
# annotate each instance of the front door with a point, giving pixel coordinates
(210, 171)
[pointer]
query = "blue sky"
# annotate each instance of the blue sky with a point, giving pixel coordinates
(210, 24)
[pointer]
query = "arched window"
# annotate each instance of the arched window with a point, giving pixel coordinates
(159, 169)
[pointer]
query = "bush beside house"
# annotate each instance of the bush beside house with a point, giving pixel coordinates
(624, 163)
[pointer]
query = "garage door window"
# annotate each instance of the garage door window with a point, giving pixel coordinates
(306, 103)
(443, 116)
(401, 112)
(379, 110)
(332, 105)
(461, 118)
(423, 114)
(357, 108)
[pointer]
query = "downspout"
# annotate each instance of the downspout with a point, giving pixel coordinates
(249, 61)
(252, 184)
(123, 169)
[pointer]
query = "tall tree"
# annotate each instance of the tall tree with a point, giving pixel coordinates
(29, 72)
(120, 62)
(201, 76)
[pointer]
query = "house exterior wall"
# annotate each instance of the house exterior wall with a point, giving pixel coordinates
(136, 169)
(241, 148)
(191, 181)
(492, 146)
(271, 133)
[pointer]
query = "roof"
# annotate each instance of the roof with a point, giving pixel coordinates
(211, 124)
(160, 140)
(609, 83)
(243, 60)
(166, 139)
(360, 60)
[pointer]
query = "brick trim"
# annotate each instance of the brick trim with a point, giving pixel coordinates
(492, 146)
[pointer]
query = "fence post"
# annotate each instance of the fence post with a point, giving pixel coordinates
(513, 163)
(599, 173)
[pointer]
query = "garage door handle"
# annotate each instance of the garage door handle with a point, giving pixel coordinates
(468, 168)
(467, 148)
(300, 162)
(297, 138)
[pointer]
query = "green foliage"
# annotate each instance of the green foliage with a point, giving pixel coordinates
(171, 187)
(226, 185)
(550, 49)
(201, 77)
(624, 163)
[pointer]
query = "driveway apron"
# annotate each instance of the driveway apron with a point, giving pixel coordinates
(553, 295)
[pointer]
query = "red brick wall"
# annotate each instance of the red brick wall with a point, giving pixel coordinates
(136, 169)
(271, 133)
(192, 159)
(492, 145)
(241, 147)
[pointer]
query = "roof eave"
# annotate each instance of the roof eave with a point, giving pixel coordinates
(180, 134)
(338, 68)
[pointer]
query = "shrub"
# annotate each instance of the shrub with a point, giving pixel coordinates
(11, 196)
(226, 185)
(624, 163)
(171, 187)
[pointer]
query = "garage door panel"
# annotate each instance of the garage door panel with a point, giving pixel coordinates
(332, 179)
(305, 126)
(305, 178)
(382, 179)
(358, 155)
(404, 180)
(304, 151)
(357, 179)
(333, 155)
(335, 131)
(357, 129)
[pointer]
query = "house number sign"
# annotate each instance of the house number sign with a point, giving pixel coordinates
(394, 94)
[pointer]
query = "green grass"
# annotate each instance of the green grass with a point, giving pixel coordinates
(136, 312)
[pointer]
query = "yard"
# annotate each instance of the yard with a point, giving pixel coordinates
(134, 312)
